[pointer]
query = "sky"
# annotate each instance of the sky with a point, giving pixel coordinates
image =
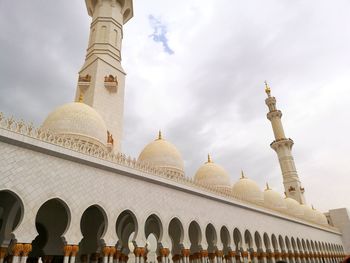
(196, 70)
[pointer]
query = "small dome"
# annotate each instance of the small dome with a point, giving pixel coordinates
(212, 174)
(76, 119)
(273, 199)
(321, 218)
(248, 190)
(309, 213)
(163, 154)
(294, 208)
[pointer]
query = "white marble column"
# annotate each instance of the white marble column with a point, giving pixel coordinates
(27, 248)
(75, 250)
(186, 255)
(17, 249)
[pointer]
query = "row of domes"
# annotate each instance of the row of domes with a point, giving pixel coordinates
(163, 154)
(79, 120)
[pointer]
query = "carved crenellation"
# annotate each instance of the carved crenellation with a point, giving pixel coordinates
(101, 152)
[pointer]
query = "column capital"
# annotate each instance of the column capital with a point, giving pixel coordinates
(211, 255)
(230, 254)
(185, 252)
(75, 250)
(112, 251)
(204, 253)
(27, 248)
(219, 253)
(270, 255)
(140, 251)
(106, 250)
(164, 252)
(17, 249)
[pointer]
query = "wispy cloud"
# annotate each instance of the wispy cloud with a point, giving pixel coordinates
(159, 33)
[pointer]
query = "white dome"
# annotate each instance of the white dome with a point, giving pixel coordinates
(294, 208)
(274, 200)
(163, 154)
(309, 213)
(76, 119)
(212, 174)
(321, 218)
(248, 190)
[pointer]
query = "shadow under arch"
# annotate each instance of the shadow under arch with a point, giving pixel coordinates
(52, 222)
(176, 234)
(237, 239)
(211, 237)
(225, 239)
(11, 215)
(93, 224)
(154, 234)
(195, 234)
(126, 227)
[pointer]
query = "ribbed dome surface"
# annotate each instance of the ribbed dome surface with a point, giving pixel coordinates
(321, 218)
(163, 154)
(309, 213)
(294, 208)
(248, 190)
(212, 174)
(274, 200)
(77, 119)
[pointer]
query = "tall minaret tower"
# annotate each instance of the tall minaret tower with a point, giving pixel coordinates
(102, 78)
(283, 147)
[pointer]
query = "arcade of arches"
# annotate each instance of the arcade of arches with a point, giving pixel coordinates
(212, 244)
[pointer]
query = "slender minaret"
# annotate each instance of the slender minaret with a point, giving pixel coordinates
(102, 78)
(283, 147)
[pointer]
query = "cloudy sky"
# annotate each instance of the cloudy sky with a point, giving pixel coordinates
(196, 71)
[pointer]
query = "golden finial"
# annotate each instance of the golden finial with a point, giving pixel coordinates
(267, 186)
(81, 98)
(209, 159)
(159, 135)
(313, 208)
(267, 89)
(242, 174)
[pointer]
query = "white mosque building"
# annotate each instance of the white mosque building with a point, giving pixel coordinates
(68, 194)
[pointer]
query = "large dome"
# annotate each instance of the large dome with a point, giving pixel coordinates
(248, 190)
(212, 174)
(273, 199)
(294, 208)
(163, 154)
(78, 120)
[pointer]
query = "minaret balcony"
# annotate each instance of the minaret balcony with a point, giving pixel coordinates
(84, 82)
(111, 83)
(274, 114)
(285, 142)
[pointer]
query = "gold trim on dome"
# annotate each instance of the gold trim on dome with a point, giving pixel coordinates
(81, 98)
(209, 159)
(160, 137)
